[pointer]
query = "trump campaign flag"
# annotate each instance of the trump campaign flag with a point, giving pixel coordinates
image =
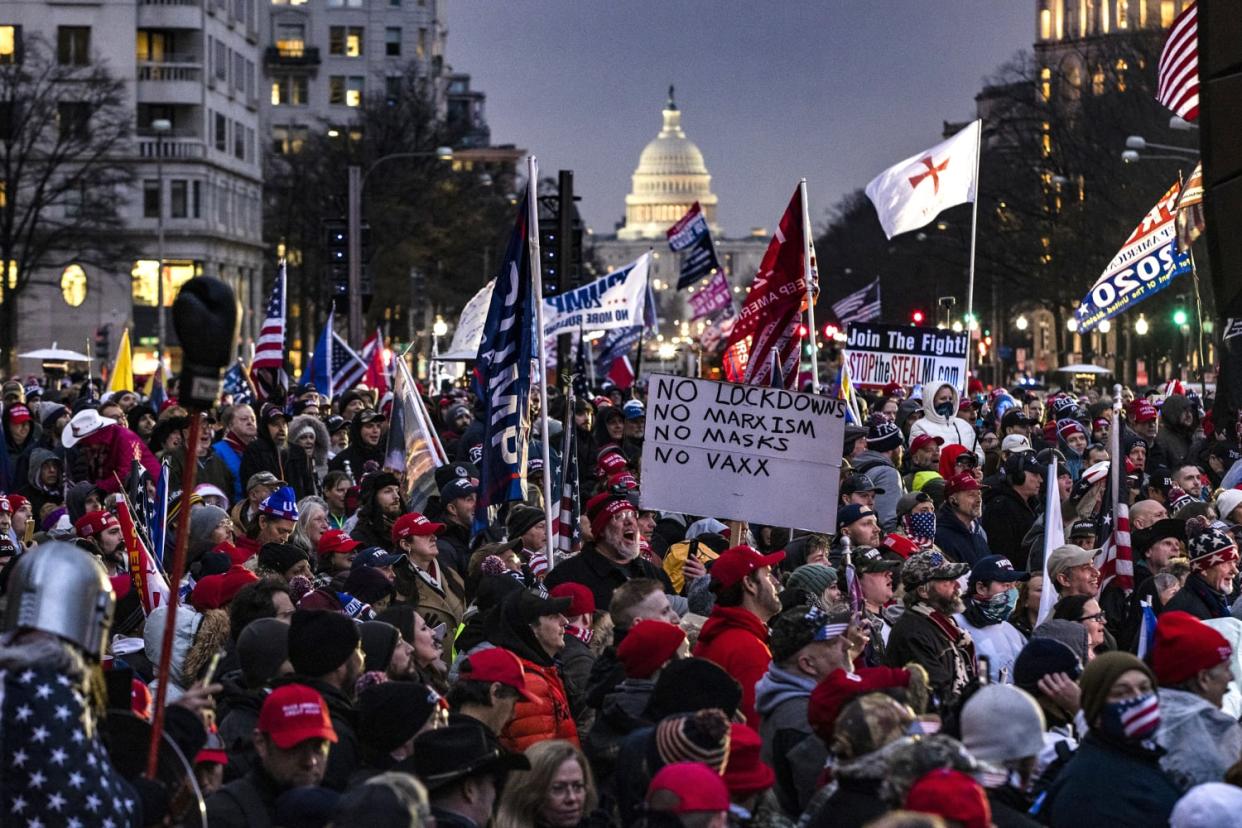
(771, 317)
(909, 194)
(504, 373)
(692, 238)
(1145, 265)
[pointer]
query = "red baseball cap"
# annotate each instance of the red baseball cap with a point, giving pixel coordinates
(952, 795)
(294, 713)
(92, 523)
(735, 564)
(964, 482)
(900, 544)
(610, 463)
(496, 664)
(412, 524)
(336, 542)
(1142, 411)
(922, 440)
(582, 600)
(19, 414)
(698, 788)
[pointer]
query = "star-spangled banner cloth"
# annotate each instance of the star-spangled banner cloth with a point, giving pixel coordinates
(52, 773)
(1145, 265)
(911, 193)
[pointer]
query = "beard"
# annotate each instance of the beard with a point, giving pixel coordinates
(948, 605)
(623, 542)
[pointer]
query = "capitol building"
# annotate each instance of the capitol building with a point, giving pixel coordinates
(671, 176)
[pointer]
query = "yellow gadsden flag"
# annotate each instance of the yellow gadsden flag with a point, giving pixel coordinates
(122, 377)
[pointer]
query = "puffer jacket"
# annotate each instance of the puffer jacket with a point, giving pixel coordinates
(1202, 742)
(737, 641)
(952, 429)
(547, 718)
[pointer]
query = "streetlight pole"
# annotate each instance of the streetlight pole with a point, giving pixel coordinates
(357, 181)
(160, 126)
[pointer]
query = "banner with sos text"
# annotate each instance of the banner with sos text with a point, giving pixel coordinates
(1145, 265)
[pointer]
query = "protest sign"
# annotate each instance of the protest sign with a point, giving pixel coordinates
(742, 452)
(614, 301)
(711, 297)
(904, 354)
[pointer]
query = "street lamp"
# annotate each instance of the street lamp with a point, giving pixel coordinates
(1179, 123)
(357, 181)
(1104, 327)
(1071, 325)
(1140, 325)
(1138, 142)
(160, 126)
(1021, 323)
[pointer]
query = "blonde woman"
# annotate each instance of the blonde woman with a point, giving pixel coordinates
(557, 791)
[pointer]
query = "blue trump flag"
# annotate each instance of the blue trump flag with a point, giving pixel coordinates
(503, 372)
(691, 237)
(319, 369)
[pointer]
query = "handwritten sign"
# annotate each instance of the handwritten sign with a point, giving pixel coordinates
(742, 452)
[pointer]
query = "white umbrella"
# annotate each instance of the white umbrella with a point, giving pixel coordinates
(1083, 368)
(54, 354)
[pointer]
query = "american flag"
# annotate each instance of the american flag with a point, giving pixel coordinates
(54, 773)
(566, 531)
(237, 384)
(268, 366)
(1178, 70)
(348, 368)
(862, 305)
(1116, 559)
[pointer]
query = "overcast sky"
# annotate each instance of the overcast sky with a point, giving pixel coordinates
(770, 90)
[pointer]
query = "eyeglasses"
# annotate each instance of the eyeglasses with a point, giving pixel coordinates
(1099, 616)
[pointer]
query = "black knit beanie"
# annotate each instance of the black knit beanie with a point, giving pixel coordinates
(320, 641)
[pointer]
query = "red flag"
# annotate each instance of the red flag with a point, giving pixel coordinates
(377, 372)
(621, 373)
(771, 317)
(148, 580)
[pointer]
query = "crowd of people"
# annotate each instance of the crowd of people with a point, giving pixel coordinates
(945, 659)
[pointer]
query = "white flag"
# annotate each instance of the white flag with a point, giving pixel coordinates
(1054, 536)
(910, 194)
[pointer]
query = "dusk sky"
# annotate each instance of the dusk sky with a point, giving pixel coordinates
(770, 91)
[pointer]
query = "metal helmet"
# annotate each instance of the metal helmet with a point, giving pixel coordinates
(61, 589)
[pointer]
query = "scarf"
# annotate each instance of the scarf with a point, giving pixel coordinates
(962, 650)
(235, 442)
(583, 634)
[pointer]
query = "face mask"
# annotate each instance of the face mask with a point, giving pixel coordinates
(999, 607)
(945, 409)
(921, 526)
(1133, 719)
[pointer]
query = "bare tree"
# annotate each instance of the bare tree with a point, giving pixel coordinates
(64, 166)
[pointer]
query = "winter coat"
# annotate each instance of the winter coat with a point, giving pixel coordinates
(454, 546)
(879, 467)
(19, 455)
(958, 542)
(263, 455)
(238, 724)
(999, 643)
(1199, 599)
(917, 638)
(34, 490)
(1143, 795)
(445, 603)
(225, 464)
(343, 757)
(1009, 808)
(737, 641)
(249, 802)
(602, 576)
(304, 472)
(623, 712)
(121, 447)
(547, 718)
(1202, 742)
(952, 429)
(1007, 517)
(781, 698)
(575, 663)
(856, 800)
(1174, 440)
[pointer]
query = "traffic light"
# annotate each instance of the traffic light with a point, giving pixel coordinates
(336, 255)
(103, 341)
(1180, 317)
(550, 255)
(830, 332)
(802, 331)
(917, 317)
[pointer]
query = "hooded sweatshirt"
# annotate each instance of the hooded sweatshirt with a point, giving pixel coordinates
(781, 698)
(354, 458)
(1173, 440)
(262, 454)
(305, 473)
(736, 640)
(952, 429)
(34, 490)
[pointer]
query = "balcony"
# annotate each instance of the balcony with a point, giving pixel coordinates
(286, 56)
(178, 80)
(170, 14)
(171, 149)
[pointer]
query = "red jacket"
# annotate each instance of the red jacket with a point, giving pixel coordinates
(737, 640)
(549, 718)
(123, 447)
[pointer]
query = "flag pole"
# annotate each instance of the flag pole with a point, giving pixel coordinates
(807, 270)
(1194, 274)
(970, 283)
(536, 275)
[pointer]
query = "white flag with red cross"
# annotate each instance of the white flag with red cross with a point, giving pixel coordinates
(909, 194)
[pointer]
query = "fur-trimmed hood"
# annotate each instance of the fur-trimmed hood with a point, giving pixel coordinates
(322, 442)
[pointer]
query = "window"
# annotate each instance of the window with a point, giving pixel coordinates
(176, 273)
(336, 89)
(290, 90)
(221, 136)
(354, 90)
(10, 44)
(151, 198)
(73, 45)
(74, 119)
(222, 61)
(239, 142)
(73, 285)
(345, 41)
(1045, 83)
(178, 198)
(353, 4)
(239, 71)
(392, 42)
(1168, 12)
(154, 46)
(196, 198)
(421, 50)
(392, 88)
(250, 89)
(1123, 13)
(291, 39)
(73, 201)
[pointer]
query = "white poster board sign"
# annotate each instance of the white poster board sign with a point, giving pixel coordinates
(742, 452)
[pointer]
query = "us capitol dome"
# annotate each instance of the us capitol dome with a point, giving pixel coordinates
(670, 177)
